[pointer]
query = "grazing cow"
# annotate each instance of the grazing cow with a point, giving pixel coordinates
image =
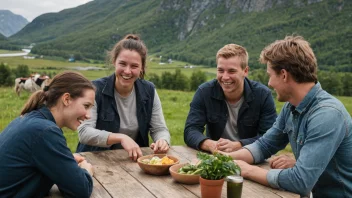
(31, 84)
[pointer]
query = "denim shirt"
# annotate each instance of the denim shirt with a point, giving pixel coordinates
(319, 131)
(208, 107)
(108, 116)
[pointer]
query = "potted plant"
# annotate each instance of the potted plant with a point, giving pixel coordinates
(214, 168)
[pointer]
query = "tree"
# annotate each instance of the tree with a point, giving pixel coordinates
(181, 81)
(6, 76)
(331, 82)
(154, 78)
(198, 77)
(22, 71)
(166, 80)
(347, 84)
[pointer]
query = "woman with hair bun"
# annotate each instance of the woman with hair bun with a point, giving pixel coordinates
(33, 151)
(127, 107)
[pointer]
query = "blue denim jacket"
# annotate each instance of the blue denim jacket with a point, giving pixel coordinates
(319, 131)
(34, 156)
(108, 116)
(208, 107)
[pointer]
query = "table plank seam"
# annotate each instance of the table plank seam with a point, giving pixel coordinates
(138, 181)
(103, 187)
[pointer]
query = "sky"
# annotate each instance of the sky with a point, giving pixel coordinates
(30, 9)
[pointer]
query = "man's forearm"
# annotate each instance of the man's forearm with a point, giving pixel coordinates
(257, 174)
(242, 154)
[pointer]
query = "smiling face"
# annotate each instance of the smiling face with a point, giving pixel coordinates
(230, 75)
(78, 109)
(128, 66)
(276, 81)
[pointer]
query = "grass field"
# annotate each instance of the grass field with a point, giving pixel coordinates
(175, 103)
(45, 66)
(9, 51)
(175, 107)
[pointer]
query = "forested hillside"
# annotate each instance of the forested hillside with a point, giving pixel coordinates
(193, 30)
(2, 37)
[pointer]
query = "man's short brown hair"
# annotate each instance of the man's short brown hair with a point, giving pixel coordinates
(232, 50)
(293, 54)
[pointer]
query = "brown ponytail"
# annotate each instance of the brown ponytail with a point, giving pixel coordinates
(130, 42)
(67, 82)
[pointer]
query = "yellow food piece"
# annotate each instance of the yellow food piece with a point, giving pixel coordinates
(166, 161)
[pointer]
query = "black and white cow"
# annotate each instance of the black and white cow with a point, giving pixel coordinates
(31, 84)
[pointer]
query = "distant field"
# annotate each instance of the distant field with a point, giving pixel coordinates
(9, 51)
(44, 66)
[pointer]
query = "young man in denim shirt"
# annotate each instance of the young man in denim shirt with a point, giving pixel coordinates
(235, 110)
(315, 123)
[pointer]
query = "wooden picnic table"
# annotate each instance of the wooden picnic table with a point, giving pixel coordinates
(117, 176)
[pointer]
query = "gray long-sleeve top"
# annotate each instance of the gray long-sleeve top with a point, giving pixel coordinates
(126, 107)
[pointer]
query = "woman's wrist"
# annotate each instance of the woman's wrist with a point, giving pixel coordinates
(115, 138)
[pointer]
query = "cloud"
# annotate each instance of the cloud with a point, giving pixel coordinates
(33, 8)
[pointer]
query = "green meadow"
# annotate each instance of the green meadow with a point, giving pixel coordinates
(2, 51)
(175, 103)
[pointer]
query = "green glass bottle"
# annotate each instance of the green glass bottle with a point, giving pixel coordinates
(234, 186)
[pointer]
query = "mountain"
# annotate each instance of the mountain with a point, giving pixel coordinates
(11, 23)
(2, 37)
(193, 30)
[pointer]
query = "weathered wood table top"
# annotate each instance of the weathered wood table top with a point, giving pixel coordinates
(117, 176)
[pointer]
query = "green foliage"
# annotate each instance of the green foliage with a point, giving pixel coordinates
(154, 78)
(166, 80)
(180, 81)
(176, 81)
(22, 71)
(198, 77)
(346, 79)
(2, 37)
(217, 166)
(6, 75)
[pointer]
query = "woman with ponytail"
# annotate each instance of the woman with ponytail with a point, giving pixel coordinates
(126, 107)
(33, 151)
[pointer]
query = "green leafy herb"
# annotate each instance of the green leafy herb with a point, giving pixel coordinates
(217, 166)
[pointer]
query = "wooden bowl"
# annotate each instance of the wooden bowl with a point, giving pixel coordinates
(156, 169)
(183, 178)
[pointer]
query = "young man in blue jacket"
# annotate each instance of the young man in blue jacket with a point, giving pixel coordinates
(235, 110)
(316, 124)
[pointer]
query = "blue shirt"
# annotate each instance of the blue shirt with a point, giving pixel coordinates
(319, 131)
(34, 156)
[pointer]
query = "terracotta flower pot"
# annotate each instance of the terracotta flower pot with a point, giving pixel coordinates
(211, 188)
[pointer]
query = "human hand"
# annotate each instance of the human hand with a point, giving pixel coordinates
(228, 145)
(160, 146)
(282, 162)
(134, 152)
(79, 158)
(245, 167)
(209, 145)
(85, 165)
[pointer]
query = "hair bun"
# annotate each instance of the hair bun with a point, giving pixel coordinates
(132, 36)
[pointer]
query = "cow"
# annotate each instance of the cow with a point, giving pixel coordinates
(33, 83)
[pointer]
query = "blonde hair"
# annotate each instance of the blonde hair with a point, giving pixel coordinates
(232, 50)
(293, 54)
